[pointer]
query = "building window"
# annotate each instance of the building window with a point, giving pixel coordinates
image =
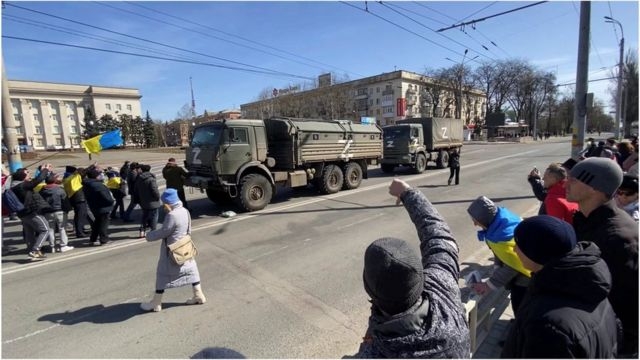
(378, 89)
(56, 129)
(118, 107)
(59, 141)
(36, 118)
(370, 102)
(17, 117)
(74, 129)
(107, 106)
(72, 117)
(38, 130)
(129, 107)
(54, 117)
(39, 142)
(378, 101)
(19, 130)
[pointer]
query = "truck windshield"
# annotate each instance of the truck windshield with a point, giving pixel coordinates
(400, 132)
(206, 136)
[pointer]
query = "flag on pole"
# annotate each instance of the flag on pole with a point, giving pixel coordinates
(103, 141)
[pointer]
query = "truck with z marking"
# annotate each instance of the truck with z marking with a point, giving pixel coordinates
(243, 161)
(414, 142)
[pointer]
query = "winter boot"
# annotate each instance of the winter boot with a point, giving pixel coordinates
(155, 304)
(198, 296)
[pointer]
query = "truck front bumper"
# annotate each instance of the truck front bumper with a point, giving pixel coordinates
(403, 159)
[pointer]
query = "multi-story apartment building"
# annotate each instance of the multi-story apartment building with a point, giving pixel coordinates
(51, 115)
(387, 98)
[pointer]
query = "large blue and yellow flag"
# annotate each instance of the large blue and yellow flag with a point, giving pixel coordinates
(103, 141)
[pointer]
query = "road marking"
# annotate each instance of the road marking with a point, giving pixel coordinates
(62, 322)
(242, 217)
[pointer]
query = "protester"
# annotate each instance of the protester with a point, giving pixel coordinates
(592, 184)
(117, 188)
(176, 225)
(554, 202)
(56, 215)
(147, 192)
(175, 176)
(35, 226)
(416, 310)
(627, 196)
(73, 187)
(100, 202)
(565, 313)
(498, 224)
(625, 149)
(134, 170)
(454, 166)
(124, 174)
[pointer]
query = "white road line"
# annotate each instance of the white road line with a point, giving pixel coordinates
(242, 217)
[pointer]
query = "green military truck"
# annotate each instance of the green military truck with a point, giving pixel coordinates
(241, 161)
(415, 142)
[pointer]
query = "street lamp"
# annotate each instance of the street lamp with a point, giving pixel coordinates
(464, 56)
(611, 20)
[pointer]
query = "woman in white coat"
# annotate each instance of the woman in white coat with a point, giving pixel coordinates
(177, 224)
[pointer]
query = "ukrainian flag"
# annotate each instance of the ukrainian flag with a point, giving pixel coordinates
(103, 141)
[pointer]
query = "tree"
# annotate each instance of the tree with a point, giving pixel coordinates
(432, 94)
(90, 124)
(630, 102)
(137, 131)
(125, 121)
(149, 135)
(107, 123)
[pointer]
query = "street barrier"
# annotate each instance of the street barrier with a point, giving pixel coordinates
(483, 313)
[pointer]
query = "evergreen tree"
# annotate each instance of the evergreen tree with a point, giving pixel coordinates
(149, 132)
(125, 121)
(107, 123)
(136, 131)
(90, 124)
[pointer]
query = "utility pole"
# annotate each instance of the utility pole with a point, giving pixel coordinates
(9, 132)
(193, 100)
(582, 78)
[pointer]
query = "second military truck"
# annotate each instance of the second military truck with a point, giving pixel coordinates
(414, 142)
(243, 160)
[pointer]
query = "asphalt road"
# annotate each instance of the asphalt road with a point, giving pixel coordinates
(284, 282)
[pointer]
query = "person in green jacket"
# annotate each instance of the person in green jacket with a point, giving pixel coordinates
(175, 176)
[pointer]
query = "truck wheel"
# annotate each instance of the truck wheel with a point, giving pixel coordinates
(443, 159)
(254, 193)
(352, 176)
(332, 179)
(219, 197)
(387, 168)
(421, 164)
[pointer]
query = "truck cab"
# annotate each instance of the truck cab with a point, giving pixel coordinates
(404, 145)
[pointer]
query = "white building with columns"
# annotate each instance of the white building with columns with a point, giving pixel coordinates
(51, 115)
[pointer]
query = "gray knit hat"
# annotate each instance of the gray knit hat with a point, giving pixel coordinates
(392, 275)
(483, 210)
(604, 175)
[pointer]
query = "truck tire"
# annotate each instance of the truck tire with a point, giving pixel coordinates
(219, 197)
(254, 192)
(443, 159)
(352, 176)
(332, 179)
(421, 164)
(387, 168)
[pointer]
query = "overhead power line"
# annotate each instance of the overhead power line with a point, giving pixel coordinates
(403, 28)
(491, 16)
(476, 12)
(152, 42)
(594, 80)
(160, 58)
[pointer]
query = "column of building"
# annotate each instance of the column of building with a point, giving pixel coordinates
(65, 125)
(26, 121)
(46, 124)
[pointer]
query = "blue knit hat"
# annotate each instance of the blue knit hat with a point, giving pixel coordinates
(170, 197)
(544, 238)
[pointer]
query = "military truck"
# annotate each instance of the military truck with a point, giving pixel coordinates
(415, 142)
(241, 161)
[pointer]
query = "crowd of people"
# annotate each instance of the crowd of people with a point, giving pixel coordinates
(572, 270)
(43, 201)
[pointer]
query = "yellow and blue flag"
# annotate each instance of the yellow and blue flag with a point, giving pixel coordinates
(103, 141)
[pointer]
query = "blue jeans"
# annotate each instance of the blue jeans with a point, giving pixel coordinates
(149, 219)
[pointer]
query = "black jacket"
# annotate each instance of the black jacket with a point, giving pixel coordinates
(565, 312)
(454, 160)
(147, 191)
(98, 196)
(32, 201)
(616, 234)
(435, 327)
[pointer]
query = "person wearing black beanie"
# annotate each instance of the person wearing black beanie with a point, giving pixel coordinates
(416, 308)
(592, 184)
(565, 312)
